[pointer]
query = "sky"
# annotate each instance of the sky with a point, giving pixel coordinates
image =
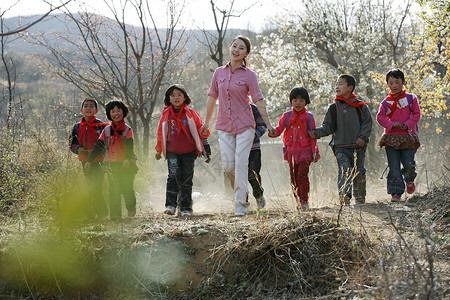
(197, 12)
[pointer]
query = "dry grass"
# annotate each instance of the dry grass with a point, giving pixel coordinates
(295, 256)
(277, 255)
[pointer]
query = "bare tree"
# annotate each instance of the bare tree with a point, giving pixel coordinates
(9, 68)
(24, 27)
(394, 31)
(214, 40)
(109, 58)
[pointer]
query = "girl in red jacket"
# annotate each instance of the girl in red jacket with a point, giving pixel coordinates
(299, 148)
(180, 141)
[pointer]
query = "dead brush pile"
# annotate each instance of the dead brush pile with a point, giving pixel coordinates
(295, 257)
(416, 264)
(435, 204)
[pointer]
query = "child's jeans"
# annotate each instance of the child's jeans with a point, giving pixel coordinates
(254, 167)
(121, 181)
(350, 162)
(179, 181)
(300, 181)
(397, 177)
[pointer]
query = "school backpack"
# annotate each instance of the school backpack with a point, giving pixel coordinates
(409, 98)
(108, 135)
(333, 111)
(288, 117)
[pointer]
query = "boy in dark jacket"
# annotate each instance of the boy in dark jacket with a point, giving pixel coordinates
(254, 160)
(350, 122)
(82, 139)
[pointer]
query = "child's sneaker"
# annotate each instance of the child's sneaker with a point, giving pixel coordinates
(345, 200)
(360, 200)
(132, 212)
(410, 188)
(185, 213)
(170, 210)
(261, 202)
(395, 198)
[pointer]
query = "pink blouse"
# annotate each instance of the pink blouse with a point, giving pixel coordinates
(233, 90)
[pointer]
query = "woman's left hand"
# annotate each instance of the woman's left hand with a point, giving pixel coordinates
(204, 129)
(271, 131)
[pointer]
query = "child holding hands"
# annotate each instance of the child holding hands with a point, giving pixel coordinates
(399, 114)
(299, 148)
(180, 141)
(116, 144)
(350, 122)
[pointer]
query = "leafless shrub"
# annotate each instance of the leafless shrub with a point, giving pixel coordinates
(295, 257)
(413, 266)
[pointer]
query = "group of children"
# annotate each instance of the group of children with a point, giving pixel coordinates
(96, 142)
(180, 141)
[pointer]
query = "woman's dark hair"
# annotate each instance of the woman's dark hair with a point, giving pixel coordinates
(349, 79)
(247, 43)
(187, 99)
(116, 103)
(89, 100)
(299, 91)
(396, 73)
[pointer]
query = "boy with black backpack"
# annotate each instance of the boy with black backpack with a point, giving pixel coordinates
(82, 139)
(350, 123)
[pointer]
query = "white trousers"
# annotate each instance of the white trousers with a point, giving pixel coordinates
(234, 150)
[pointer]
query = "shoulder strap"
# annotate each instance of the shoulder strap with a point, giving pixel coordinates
(360, 115)
(287, 118)
(333, 112)
(107, 136)
(124, 133)
(309, 123)
(409, 97)
(76, 127)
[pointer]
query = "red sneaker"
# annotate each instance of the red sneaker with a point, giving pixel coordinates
(395, 198)
(410, 188)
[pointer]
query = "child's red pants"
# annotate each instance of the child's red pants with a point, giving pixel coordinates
(300, 181)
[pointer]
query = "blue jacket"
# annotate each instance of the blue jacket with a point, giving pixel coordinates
(260, 127)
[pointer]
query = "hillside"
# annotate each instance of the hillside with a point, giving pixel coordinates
(60, 24)
(373, 251)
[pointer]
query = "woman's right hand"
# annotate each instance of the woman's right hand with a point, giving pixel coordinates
(158, 155)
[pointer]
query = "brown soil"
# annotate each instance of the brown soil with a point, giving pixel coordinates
(206, 230)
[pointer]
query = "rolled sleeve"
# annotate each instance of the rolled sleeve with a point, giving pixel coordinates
(254, 89)
(214, 89)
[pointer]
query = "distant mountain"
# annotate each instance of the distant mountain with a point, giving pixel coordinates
(59, 23)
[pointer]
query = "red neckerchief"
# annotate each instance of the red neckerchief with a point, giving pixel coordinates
(117, 133)
(118, 129)
(177, 117)
(91, 125)
(295, 118)
(395, 98)
(347, 100)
